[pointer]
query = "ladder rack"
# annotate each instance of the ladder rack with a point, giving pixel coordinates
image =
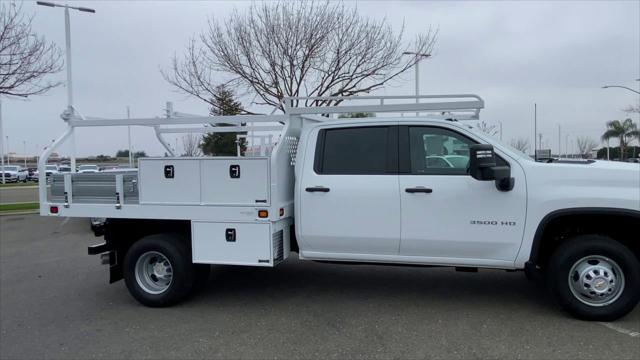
(456, 106)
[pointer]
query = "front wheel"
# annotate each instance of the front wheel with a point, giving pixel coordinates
(158, 270)
(594, 278)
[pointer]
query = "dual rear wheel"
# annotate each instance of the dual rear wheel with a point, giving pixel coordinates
(158, 270)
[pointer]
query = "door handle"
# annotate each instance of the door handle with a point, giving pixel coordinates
(317, 189)
(418, 190)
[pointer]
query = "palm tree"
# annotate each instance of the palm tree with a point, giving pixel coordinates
(624, 130)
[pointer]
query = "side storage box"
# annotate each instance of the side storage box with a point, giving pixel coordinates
(235, 181)
(231, 243)
(220, 181)
(167, 181)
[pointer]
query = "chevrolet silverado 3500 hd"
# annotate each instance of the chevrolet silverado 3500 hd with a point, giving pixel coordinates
(422, 190)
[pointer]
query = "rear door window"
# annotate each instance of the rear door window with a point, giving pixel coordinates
(357, 150)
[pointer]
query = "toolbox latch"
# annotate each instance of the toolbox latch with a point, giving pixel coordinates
(234, 171)
(169, 172)
(230, 235)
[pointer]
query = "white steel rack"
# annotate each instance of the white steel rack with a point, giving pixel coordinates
(282, 157)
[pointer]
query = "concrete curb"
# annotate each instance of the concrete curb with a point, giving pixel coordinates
(19, 187)
(21, 212)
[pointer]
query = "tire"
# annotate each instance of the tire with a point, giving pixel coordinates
(147, 265)
(594, 277)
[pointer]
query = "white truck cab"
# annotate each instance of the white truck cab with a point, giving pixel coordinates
(425, 190)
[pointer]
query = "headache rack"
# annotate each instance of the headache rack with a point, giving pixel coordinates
(123, 195)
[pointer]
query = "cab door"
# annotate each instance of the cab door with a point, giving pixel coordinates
(347, 198)
(447, 216)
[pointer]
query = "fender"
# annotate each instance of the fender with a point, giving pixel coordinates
(537, 239)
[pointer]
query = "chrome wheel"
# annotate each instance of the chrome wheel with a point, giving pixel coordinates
(596, 280)
(153, 272)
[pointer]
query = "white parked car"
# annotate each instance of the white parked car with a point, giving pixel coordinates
(63, 169)
(86, 169)
(51, 170)
(14, 173)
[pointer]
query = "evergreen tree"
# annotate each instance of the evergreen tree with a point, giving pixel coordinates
(223, 144)
(356, 115)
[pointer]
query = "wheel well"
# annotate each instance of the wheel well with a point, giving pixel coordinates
(560, 226)
(120, 234)
(293, 242)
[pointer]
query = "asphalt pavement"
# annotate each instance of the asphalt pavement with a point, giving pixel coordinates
(55, 302)
(18, 194)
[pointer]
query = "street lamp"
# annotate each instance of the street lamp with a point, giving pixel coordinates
(1, 146)
(67, 30)
(419, 56)
(622, 87)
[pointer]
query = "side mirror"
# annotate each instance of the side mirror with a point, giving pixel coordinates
(482, 166)
(481, 160)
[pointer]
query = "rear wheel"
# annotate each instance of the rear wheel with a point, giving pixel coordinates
(594, 278)
(158, 270)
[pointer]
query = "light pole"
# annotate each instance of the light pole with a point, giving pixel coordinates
(24, 152)
(559, 142)
(129, 136)
(67, 30)
(1, 144)
(621, 87)
(500, 122)
(8, 151)
(419, 57)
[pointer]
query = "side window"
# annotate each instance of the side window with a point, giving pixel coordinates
(437, 151)
(357, 150)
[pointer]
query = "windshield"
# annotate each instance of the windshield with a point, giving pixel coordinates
(88, 167)
(52, 167)
(10, 168)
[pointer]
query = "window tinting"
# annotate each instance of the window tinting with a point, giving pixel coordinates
(361, 150)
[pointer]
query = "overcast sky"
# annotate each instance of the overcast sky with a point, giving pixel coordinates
(558, 54)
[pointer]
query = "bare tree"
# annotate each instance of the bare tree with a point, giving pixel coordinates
(633, 108)
(25, 57)
(295, 48)
(586, 145)
(521, 144)
(491, 130)
(191, 145)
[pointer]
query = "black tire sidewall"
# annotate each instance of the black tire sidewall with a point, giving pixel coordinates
(579, 247)
(173, 247)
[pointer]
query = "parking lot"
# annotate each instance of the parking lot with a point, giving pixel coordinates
(55, 302)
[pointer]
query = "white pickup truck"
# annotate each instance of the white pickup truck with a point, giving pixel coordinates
(419, 190)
